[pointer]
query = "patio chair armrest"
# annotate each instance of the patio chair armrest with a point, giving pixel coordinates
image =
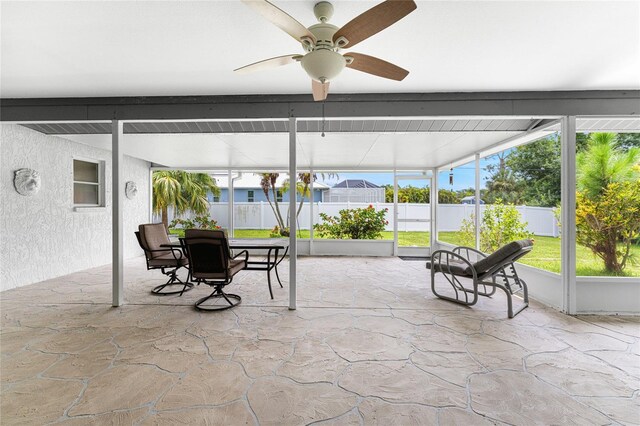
(243, 252)
(173, 251)
(437, 259)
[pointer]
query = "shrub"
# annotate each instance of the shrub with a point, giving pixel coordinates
(278, 232)
(501, 224)
(356, 224)
(608, 225)
(199, 222)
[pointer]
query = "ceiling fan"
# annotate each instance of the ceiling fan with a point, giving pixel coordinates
(322, 42)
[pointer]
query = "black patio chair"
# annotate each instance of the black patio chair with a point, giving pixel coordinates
(211, 263)
(482, 277)
(152, 237)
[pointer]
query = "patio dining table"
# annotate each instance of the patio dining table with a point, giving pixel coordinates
(276, 249)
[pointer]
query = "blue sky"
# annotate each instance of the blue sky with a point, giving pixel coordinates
(463, 177)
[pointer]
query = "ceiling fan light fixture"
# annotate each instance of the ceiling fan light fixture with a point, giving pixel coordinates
(323, 65)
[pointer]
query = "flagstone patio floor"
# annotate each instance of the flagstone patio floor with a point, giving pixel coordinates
(368, 344)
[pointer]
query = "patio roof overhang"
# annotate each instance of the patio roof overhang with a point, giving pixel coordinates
(364, 131)
(415, 143)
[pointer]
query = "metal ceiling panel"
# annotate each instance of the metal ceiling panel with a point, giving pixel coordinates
(631, 124)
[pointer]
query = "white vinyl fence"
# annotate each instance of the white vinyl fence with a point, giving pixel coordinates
(259, 215)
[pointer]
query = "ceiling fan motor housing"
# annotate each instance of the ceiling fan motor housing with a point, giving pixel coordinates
(323, 62)
(323, 65)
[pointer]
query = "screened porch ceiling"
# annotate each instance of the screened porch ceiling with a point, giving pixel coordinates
(349, 144)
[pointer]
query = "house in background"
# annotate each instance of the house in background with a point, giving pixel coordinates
(470, 199)
(247, 189)
(354, 191)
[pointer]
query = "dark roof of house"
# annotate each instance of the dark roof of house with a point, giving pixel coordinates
(355, 183)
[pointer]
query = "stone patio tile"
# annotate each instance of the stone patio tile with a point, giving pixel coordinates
(415, 317)
(626, 361)
(496, 354)
(393, 327)
(37, 401)
(312, 361)
(629, 326)
(352, 418)
(132, 386)
(72, 341)
(434, 338)
(581, 375)
(556, 321)
(401, 382)
(377, 412)
(460, 323)
(590, 341)
(453, 367)
(235, 413)
(528, 401)
(176, 353)
(623, 410)
(532, 338)
(327, 325)
(85, 364)
(458, 416)
(262, 357)
(280, 401)
(118, 418)
(126, 337)
(210, 384)
(154, 361)
(284, 328)
(359, 345)
(25, 365)
(205, 327)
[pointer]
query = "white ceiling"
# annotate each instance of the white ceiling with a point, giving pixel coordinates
(336, 151)
(129, 48)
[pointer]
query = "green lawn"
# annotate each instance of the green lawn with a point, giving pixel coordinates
(545, 254)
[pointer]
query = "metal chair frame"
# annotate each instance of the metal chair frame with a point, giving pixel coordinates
(170, 271)
(500, 276)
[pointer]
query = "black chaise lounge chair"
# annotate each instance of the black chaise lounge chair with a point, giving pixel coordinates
(469, 280)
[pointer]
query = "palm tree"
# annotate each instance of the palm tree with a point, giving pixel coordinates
(268, 183)
(602, 163)
(181, 191)
(504, 186)
(303, 184)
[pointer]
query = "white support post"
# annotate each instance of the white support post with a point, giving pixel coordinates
(150, 195)
(568, 211)
(311, 200)
(230, 201)
(433, 235)
(477, 202)
(117, 189)
(293, 248)
(395, 212)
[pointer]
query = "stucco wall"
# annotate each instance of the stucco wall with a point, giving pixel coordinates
(41, 236)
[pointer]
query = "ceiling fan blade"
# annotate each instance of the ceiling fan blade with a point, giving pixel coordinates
(320, 90)
(281, 19)
(278, 61)
(373, 21)
(375, 66)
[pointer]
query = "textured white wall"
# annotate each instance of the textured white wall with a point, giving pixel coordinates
(41, 236)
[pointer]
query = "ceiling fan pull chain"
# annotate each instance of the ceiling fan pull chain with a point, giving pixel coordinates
(323, 121)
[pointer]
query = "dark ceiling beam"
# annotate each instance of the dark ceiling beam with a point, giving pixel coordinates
(606, 102)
